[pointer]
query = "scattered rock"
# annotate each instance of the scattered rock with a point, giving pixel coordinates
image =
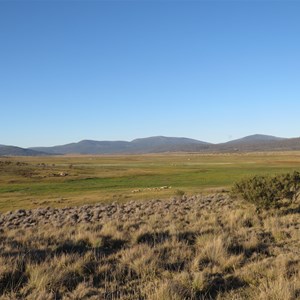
(103, 212)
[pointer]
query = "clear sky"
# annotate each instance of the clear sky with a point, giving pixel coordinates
(118, 70)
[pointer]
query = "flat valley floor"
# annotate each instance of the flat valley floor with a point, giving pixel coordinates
(59, 181)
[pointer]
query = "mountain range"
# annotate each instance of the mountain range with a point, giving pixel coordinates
(157, 144)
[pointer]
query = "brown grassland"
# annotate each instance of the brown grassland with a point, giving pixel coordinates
(137, 240)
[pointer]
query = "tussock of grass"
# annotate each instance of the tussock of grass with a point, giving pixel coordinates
(205, 247)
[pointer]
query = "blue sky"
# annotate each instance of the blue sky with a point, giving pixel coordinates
(118, 70)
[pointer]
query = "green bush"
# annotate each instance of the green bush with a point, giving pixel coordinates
(268, 191)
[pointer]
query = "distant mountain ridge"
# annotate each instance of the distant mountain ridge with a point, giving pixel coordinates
(159, 144)
(255, 142)
(142, 145)
(17, 151)
(256, 138)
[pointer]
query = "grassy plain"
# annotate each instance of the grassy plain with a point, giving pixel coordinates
(199, 247)
(28, 182)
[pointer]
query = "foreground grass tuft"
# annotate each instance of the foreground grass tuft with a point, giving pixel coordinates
(200, 247)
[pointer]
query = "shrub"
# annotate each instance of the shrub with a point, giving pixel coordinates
(179, 193)
(268, 191)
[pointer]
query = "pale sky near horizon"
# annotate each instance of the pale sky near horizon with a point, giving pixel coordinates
(119, 70)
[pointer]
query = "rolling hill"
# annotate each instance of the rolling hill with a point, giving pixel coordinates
(17, 151)
(157, 144)
(256, 142)
(256, 138)
(142, 145)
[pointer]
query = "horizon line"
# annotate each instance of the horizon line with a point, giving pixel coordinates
(147, 137)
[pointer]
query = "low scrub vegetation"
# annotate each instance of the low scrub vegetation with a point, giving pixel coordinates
(200, 247)
(269, 191)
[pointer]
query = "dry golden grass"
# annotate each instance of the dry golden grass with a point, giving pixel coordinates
(210, 247)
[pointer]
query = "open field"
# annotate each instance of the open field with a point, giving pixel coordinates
(198, 246)
(58, 181)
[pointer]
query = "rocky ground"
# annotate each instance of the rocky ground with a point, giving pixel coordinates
(85, 214)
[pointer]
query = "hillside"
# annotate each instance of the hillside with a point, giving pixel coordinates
(259, 143)
(255, 138)
(87, 147)
(17, 151)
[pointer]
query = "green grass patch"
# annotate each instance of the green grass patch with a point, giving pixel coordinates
(33, 181)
